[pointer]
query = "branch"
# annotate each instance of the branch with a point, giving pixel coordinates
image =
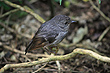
(59, 58)
(92, 54)
(101, 13)
(80, 45)
(26, 10)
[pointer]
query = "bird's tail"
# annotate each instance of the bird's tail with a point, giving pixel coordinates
(28, 47)
(35, 43)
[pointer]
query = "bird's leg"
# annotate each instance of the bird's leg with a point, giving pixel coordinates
(46, 49)
(54, 49)
(57, 48)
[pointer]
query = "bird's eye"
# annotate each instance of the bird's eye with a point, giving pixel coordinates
(66, 23)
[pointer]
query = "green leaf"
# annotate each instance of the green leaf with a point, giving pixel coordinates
(99, 1)
(66, 3)
(60, 2)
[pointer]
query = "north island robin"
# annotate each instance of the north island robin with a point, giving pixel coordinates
(51, 33)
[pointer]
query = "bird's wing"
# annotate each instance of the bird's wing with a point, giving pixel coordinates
(59, 38)
(36, 42)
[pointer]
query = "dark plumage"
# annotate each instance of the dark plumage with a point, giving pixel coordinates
(50, 33)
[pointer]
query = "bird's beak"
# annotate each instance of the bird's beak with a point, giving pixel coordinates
(73, 21)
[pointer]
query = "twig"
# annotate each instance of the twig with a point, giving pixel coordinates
(15, 32)
(40, 68)
(7, 13)
(6, 27)
(78, 4)
(104, 33)
(101, 13)
(25, 56)
(55, 58)
(21, 52)
(26, 10)
(59, 66)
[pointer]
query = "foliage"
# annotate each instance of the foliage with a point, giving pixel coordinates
(5, 6)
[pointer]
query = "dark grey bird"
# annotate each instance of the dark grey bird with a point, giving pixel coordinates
(50, 33)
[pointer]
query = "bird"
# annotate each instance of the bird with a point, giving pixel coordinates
(50, 33)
